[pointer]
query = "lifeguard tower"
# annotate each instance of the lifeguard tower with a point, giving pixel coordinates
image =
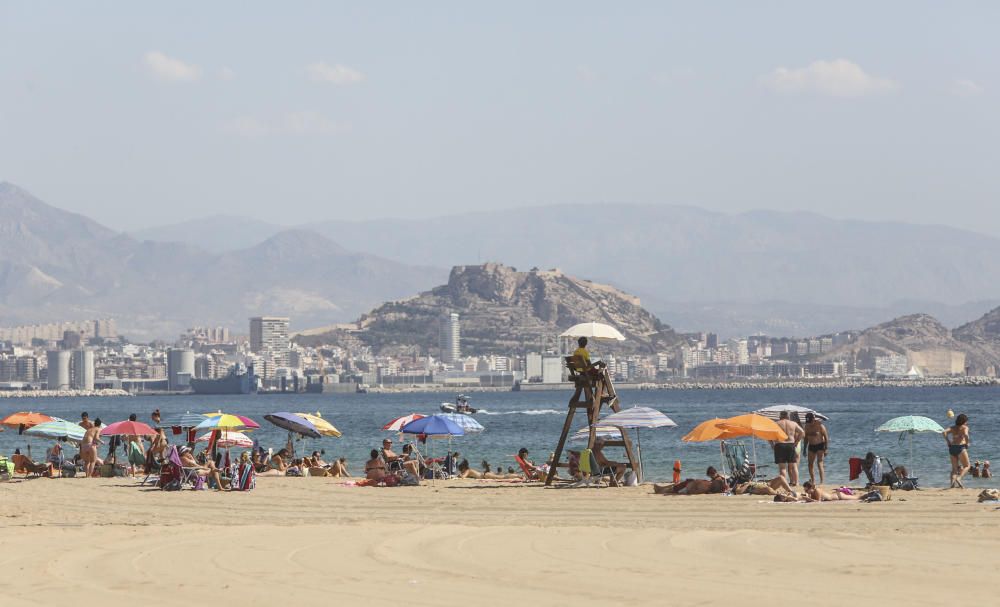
(593, 389)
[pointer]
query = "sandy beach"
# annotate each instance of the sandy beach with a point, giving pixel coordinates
(312, 541)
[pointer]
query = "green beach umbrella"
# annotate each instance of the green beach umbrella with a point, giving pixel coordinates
(910, 424)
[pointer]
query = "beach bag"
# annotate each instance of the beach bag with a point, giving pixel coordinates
(631, 479)
(908, 484)
(409, 480)
(68, 469)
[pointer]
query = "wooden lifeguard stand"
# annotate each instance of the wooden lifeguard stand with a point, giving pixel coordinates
(594, 389)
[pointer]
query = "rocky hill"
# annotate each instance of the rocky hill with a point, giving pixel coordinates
(502, 310)
(929, 345)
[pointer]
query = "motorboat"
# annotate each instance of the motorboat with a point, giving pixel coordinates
(461, 405)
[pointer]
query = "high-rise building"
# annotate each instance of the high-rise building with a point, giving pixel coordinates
(712, 340)
(58, 370)
(451, 338)
(82, 369)
(269, 338)
(180, 368)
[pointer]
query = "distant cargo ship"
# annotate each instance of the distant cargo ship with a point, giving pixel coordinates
(240, 380)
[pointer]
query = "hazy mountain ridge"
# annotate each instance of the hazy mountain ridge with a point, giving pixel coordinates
(504, 311)
(57, 265)
(779, 273)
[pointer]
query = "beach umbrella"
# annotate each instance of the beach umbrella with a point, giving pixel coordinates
(910, 425)
(465, 422)
(127, 428)
(322, 426)
(293, 423)
(397, 424)
(637, 418)
(58, 429)
(594, 330)
(774, 412)
(26, 419)
(434, 426)
(227, 439)
(227, 421)
(754, 425)
(183, 420)
(709, 430)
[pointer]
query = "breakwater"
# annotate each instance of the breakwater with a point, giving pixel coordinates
(60, 393)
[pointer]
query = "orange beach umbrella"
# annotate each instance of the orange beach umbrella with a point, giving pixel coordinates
(26, 419)
(753, 425)
(710, 430)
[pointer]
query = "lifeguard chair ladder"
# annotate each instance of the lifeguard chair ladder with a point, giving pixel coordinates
(592, 391)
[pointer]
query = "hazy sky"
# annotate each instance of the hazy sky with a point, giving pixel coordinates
(145, 113)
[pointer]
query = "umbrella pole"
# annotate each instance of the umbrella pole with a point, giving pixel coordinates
(638, 443)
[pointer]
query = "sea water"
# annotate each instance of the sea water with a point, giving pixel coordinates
(534, 419)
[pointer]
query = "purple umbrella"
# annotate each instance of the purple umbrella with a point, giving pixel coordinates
(293, 423)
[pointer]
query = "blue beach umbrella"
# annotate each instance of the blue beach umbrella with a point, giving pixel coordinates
(182, 420)
(293, 423)
(433, 425)
(465, 422)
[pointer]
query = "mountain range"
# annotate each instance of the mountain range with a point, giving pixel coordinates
(56, 265)
(772, 272)
(793, 274)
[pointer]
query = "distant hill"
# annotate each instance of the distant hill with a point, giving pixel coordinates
(216, 234)
(775, 272)
(503, 311)
(929, 345)
(56, 265)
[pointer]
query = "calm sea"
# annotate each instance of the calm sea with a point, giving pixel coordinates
(533, 420)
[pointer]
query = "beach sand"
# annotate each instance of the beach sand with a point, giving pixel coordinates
(311, 541)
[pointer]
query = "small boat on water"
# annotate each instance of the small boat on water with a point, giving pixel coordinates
(461, 405)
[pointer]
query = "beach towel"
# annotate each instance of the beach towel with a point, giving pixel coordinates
(588, 463)
(855, 466)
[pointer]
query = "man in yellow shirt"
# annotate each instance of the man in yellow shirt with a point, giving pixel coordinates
(581, 357)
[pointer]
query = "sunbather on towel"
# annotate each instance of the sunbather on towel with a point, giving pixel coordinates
(465, 471)
(815, 494)
(715, 483)
(776, 486)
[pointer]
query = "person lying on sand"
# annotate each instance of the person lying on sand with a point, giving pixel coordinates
(813, 493)
(776, 486)
(465, 471)
(715, 483)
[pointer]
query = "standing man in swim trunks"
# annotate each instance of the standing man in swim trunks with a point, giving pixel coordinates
(85, 422)
(786, 451)
(958, 441)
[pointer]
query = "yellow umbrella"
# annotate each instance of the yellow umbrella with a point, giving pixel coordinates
(322, 426)
(711, 430)
(753, 425)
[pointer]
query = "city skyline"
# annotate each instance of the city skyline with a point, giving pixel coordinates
(727, 107)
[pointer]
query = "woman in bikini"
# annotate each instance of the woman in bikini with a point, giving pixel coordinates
(814, 494)
(466, 471)
(817, 441)
(958, 441)
(88, 447)
(375, 467)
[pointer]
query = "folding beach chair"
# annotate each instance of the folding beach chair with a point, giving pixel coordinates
(592, 474)
(738, 461)
(27, 467)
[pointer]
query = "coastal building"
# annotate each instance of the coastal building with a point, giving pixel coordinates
(58, 362)
(533, 367)
(891, 365)
(552, 369)
(269, 336)
(450, 338)
(180, 368)
(82, 369)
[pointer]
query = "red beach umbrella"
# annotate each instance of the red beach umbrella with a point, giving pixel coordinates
(127, 428)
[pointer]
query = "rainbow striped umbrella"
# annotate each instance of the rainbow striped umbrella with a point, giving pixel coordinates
(227, 421)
